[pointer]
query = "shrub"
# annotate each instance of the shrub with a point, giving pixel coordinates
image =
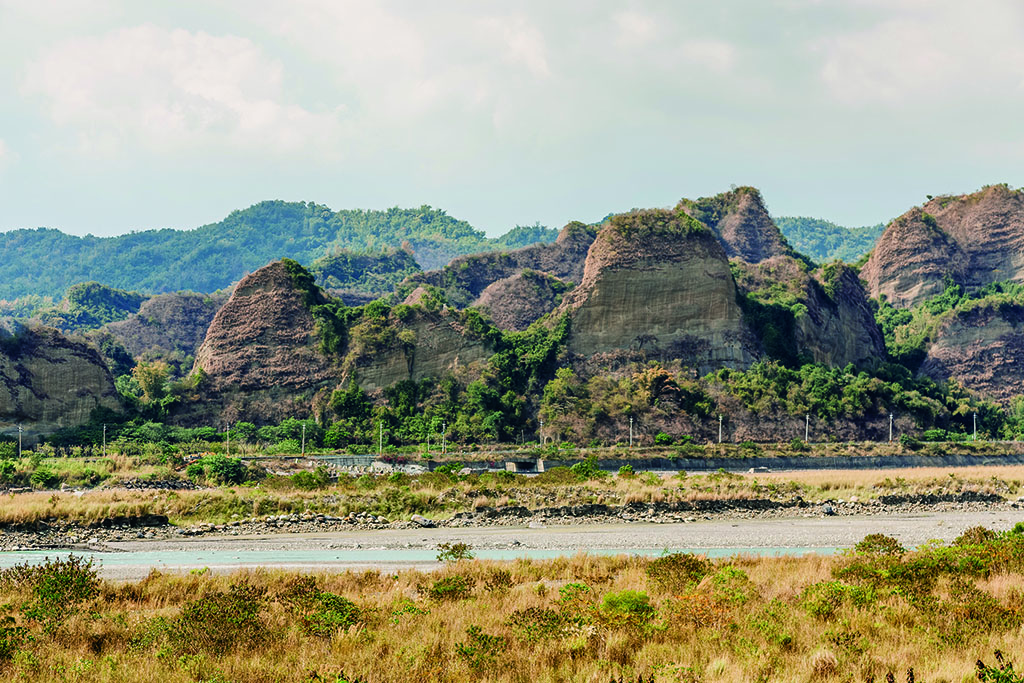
(663, 439)
(824, 598)
(218, 623)
(879, 544)
(537, 623)
(322, 613)
(576, 602)
(976, 535)
(632, 608)
(449, 588)
(498, 581)
(587, 470)
(677, 572)
(12, 637)
(453, 552)
(481, 650)
(44, 478)
(59, 587)
(626, 471)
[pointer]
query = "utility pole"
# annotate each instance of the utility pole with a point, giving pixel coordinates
(303, 439)
(719, 429)
(807, 427)
(975, 426)
(630, 431)
(104, 441)
(19, 441)
(890, 427)
(541, 433)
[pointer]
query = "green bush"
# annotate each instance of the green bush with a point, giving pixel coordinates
(677, 572)
(449, 588)
(879, 544)
(481, 650)
(59, 588)
(627, 607)
(453, 552)
(216, 624)
(587, 470)
(44, 478)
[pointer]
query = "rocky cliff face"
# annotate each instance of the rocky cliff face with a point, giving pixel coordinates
(973, 239)
(741, 222)
(839, 326)
(48, 381)
(262, 350)
(466, 277)
(659, 281)
(168, 324)
(514, 303)
(981, 348)
(832, 321)
(421, 343)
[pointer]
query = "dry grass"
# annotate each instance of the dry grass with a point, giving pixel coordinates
(747, 626)
(440, 496)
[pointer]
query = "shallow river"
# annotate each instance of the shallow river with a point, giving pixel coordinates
(395, 549)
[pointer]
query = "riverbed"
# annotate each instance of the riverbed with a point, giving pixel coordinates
(397, 549)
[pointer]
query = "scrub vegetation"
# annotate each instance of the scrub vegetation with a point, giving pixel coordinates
(878, 612)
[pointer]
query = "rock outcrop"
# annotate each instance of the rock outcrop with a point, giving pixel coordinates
(168, 324)
(48, 381)
(741, 222)
(839, 326)
(262, 350)
(825, 314)
(972, 239)
(465, 278)
(658, 280)
(981, 348)
(514, 303)
(411, 344)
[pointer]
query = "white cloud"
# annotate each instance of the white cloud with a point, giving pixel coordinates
(164, 89)
(925, 53)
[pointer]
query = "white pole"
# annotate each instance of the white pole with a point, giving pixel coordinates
(444, 431)
(19, 441)
(630, 431)
(541, 435)
(303, 440)
(104, 441)
(380, 443)
(719, 429)
(890, 427)
(807, 427)
(975, 426)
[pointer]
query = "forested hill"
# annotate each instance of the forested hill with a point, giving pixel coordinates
(824, 241)
(46, 261)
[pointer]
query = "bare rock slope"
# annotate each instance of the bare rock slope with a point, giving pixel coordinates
(972, 239)
(168, 324)
(981, 348)
(48, 381)
(659, 279)
(465, 278)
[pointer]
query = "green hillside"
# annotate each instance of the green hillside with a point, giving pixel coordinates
(823, 241)
(45, 262)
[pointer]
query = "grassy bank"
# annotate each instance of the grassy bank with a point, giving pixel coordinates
(443, 493)
(857, 617)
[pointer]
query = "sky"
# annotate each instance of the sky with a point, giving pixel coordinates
(119, 115)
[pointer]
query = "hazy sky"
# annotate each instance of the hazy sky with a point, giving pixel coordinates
(120, 115)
